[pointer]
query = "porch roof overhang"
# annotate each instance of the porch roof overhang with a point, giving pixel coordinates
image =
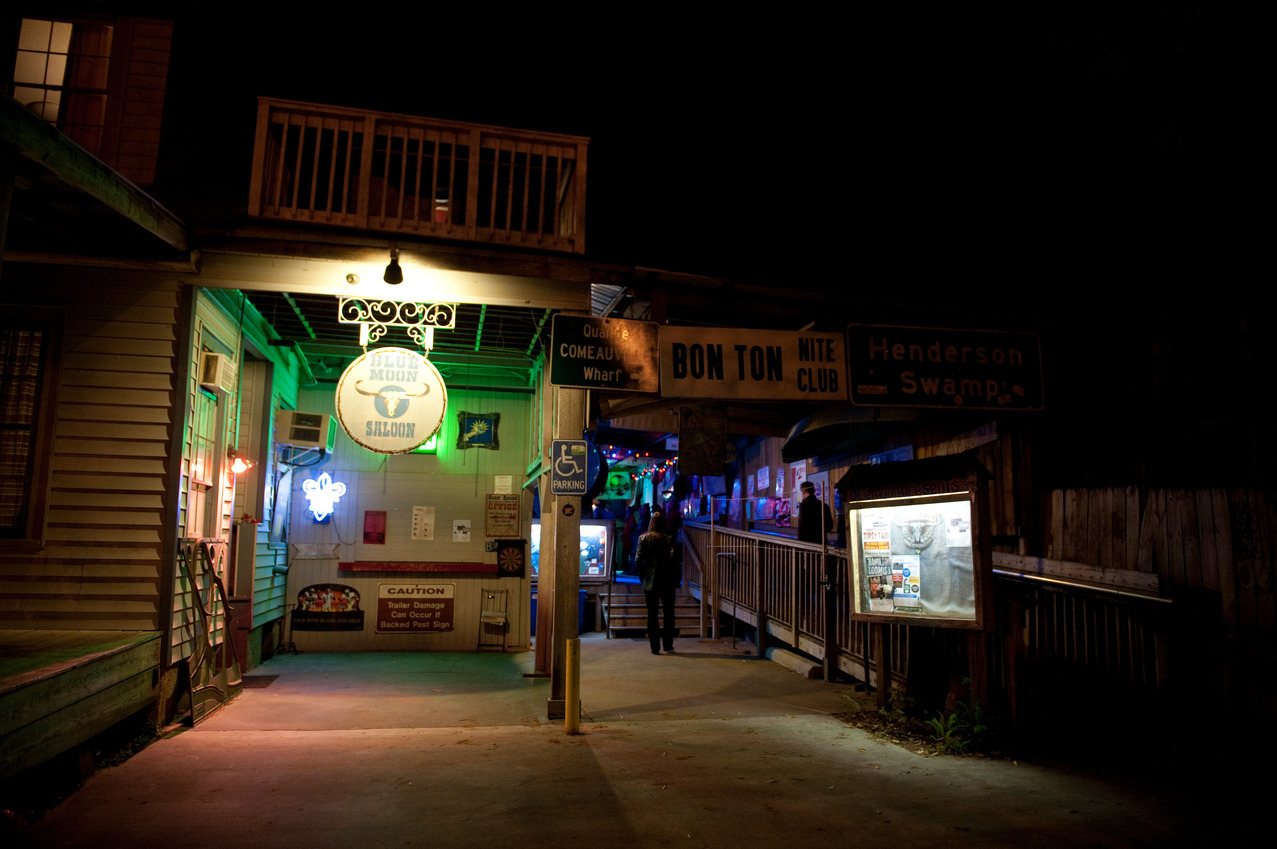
(68, 206)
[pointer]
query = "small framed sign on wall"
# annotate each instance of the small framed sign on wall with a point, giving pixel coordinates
(478, 430)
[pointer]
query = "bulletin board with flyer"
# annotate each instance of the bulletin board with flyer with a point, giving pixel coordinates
(917, 549)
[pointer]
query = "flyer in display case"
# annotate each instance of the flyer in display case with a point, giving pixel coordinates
(918, 557)
(596, 550)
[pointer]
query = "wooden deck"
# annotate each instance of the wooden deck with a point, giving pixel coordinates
(60, 688)
(407, 175)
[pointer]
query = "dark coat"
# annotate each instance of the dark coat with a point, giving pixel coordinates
(655, 561)
(809, 510)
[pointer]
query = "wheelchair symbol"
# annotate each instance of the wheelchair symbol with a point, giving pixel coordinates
(565, 465)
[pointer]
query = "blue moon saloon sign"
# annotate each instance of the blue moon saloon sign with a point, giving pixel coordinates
(391, 400)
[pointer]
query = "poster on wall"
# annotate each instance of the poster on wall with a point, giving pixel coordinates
(423, 523)
(460, 530)
(391, 400)
(328, 607)
(374, 527)
(416, 607)
(797, 474)
(502, 516)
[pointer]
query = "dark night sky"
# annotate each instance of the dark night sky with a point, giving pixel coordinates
(1067, 168)
(895, 143)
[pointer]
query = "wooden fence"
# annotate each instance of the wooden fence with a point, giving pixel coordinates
(1140, 596)
(777, 586)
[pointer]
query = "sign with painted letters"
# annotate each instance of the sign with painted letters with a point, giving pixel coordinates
(938, 367)
(603, 353)
(405, 608)
(762, 365)
(391, 400)
(569, 460)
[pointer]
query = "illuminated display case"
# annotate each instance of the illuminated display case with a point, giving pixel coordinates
(596, 550)
(918, 553)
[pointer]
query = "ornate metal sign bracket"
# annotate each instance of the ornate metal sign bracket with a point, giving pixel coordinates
(375, 316)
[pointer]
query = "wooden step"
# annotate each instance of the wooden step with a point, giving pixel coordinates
(628, 612)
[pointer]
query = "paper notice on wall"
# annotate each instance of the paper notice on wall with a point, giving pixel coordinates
(423, 523)
(460, 530)
(503, 484)
(503, 516)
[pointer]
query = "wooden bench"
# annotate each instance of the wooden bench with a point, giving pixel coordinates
(59, 689)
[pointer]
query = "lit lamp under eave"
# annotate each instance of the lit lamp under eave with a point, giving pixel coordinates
(239, 464)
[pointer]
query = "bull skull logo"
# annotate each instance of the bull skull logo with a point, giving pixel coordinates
(390, 397)
(919, 531)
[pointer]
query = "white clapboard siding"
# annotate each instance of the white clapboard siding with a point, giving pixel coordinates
(101, 565)
(225, 324)
(213, 331)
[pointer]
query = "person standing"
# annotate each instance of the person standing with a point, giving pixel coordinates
(811, 511)
(656, 566)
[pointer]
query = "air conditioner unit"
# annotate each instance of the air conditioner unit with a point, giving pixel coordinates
(305, 430)
(218, 372)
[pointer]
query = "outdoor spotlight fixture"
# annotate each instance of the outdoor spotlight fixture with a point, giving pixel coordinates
(239, 464)
(394, 274)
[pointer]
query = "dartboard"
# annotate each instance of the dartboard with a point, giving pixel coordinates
(510, 560)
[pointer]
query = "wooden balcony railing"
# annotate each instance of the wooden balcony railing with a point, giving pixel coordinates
(420, 176)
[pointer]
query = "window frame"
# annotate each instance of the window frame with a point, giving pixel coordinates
(51, 322)
(81, 92)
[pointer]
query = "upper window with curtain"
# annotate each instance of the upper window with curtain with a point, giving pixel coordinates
(60, 74)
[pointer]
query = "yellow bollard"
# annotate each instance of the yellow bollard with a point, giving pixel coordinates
(572, 688)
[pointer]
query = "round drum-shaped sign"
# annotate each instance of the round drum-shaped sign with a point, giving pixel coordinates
(391, 400)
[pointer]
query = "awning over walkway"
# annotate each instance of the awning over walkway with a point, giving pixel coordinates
(841, 428)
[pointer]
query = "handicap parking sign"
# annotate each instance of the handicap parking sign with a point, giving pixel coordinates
(569, 460)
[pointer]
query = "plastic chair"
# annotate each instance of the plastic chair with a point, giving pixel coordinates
(494, 621)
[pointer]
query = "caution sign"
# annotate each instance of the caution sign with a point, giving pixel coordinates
(408, 608)
(763, 365)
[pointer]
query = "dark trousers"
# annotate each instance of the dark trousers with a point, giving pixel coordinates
(655, 600)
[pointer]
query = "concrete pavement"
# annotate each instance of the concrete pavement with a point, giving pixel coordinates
(702, 748)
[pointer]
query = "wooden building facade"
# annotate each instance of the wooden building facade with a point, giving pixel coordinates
(133, 559)
(138, 572)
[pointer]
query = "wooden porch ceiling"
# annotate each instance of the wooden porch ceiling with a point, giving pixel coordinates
(492, 337)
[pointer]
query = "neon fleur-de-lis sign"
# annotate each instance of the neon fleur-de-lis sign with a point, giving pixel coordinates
(322, 495)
